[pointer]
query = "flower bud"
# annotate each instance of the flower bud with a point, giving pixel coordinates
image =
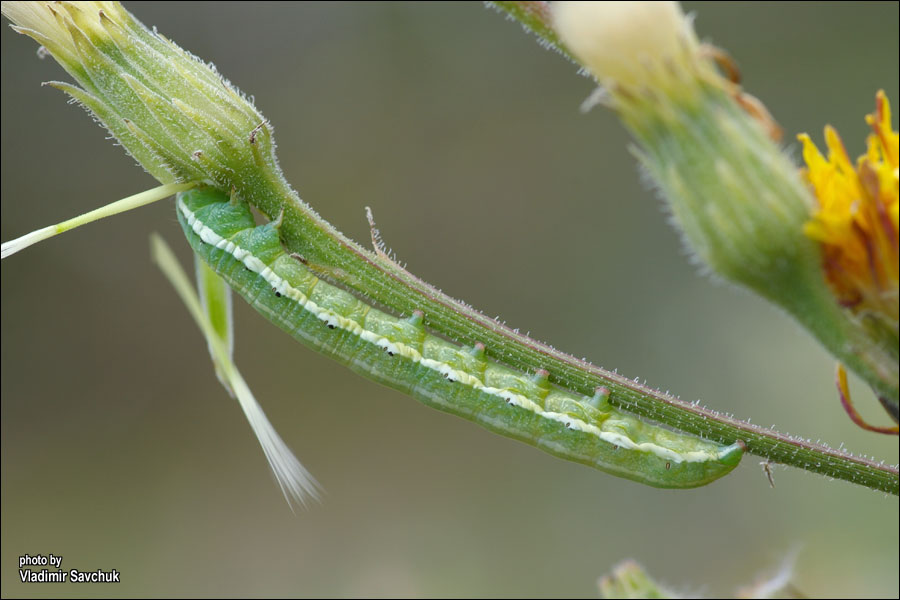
(623, 43)
(171, 111)
(629, 580)
(740, 202)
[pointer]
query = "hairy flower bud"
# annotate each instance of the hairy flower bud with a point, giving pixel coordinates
(622, 43)
(740, 202)
(171, 111)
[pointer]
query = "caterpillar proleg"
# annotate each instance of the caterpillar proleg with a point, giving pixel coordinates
(400, 353)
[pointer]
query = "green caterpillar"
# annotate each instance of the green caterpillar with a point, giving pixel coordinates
(400, 353)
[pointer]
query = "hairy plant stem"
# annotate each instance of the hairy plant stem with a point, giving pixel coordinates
(385, 282)
(379, 279)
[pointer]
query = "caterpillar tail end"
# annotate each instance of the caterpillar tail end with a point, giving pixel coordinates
(730, 456)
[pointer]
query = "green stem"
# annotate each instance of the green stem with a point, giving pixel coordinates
(375, 277)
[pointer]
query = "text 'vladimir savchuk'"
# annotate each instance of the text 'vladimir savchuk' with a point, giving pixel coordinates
(55, 574)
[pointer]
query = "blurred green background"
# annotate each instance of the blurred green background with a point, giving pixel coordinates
(121, 450)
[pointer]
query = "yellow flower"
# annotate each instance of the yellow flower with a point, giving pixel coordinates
(855, 220)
